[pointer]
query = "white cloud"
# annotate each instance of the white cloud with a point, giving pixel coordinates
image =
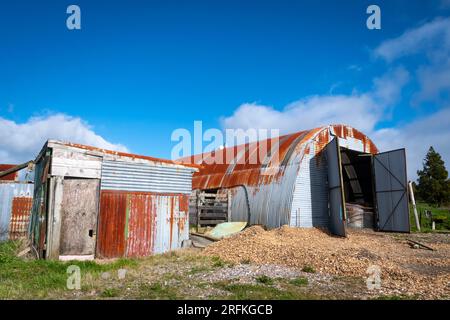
(417, 137)
(434, 35)
(365, 110)
(21, 142)
(362, 110)
(432, 41)
(307, 113)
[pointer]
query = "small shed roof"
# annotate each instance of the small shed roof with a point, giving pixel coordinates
(111, 154)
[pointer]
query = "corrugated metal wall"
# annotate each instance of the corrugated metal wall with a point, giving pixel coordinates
(141, 223)
(13, 193)
(310, 199)
(119, 175)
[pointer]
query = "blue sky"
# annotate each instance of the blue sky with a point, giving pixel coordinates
(137, 70)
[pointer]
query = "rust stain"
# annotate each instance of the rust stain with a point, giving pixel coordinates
(171, 222)
(140, 225)
(20, 217)
(10, 177)
(137, 237)
(111, 224)
(217, 175)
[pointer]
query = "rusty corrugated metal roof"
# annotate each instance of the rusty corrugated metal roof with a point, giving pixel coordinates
(242, 172)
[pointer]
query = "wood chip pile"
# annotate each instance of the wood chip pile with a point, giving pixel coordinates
(404, 270)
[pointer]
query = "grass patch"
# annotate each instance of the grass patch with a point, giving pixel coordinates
(440, 215)
(396, 297)
(259, 291)
(264, 280)
(157, 291)
(28, 279)
(253, 292)
(217, 262)
(300, 281)
(308, 269)
(110, 293)
(199, 269)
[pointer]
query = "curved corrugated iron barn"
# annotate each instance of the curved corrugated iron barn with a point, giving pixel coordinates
(288, 184)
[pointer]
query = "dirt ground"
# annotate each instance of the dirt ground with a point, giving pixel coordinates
(405, 270)
(285, 263)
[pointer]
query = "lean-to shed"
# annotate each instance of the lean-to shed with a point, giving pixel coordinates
(91, 202)
(308, 178)
(16, 196)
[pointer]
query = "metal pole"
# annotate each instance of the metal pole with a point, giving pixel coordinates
(413, 201)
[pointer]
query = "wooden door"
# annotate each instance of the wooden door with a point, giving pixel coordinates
(79, 216)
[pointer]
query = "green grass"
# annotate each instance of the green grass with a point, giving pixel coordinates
(264, 279)
(157, 291)
(301, 281)
(396, 297)
(110, 293)
(218, 262)
(281, 290)
(20, 278)
(254, 292)
(308, 269)
(442, 215)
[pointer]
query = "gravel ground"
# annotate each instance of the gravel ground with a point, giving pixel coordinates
(404, 270)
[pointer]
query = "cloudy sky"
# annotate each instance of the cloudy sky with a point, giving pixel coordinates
(137, 70)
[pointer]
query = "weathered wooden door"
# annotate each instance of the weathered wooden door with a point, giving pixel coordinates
(79, 210)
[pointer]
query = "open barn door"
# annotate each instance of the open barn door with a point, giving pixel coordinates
(391, 193)
(335, 189)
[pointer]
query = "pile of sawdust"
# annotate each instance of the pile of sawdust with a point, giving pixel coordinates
(351, 256)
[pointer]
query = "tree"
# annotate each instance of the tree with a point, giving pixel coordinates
(433, 185)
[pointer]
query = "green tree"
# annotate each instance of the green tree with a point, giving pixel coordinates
(433, 185)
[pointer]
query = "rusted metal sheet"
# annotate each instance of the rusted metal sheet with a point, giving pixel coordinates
(10, 177)
(10, 193)
(140, 223)
(20, 217)
(111, 224)
(269, 191)
(123, 176)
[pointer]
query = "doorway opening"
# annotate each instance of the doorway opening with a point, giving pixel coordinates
(357, 179)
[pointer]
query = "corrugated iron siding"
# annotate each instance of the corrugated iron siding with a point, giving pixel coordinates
(143, 177)
(20, 217)
(310, 199)
(140, 223)
(292, 190)
(111, 224)
(8, 192)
